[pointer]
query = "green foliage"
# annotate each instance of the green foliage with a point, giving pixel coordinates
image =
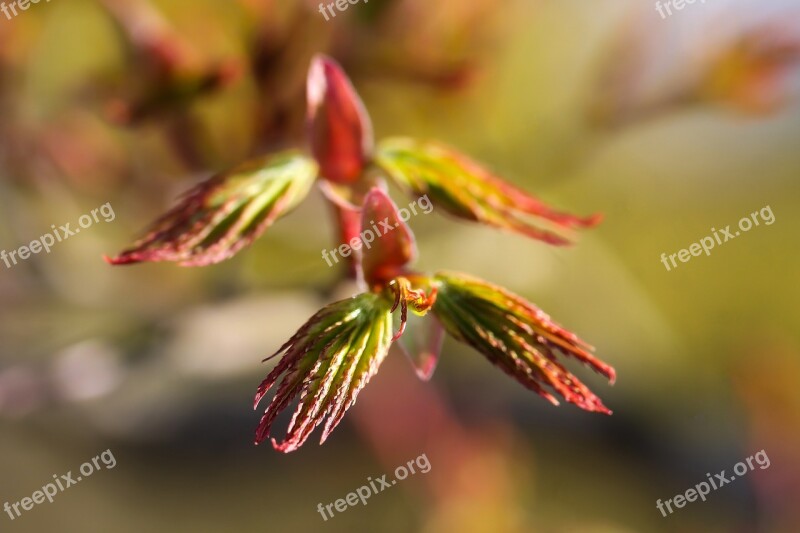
(517, 337)
(221, 216)
(327, 363)
(465, 189)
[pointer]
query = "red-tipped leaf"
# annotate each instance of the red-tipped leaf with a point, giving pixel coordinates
(219, 217)
(326, 364)
(517, 337)
(467, 190)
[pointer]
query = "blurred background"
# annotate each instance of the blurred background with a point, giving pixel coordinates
(668, 125)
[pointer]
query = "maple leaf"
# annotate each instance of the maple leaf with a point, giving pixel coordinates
(326, 363)
(464, 188)
(517, 337)
(224, 214)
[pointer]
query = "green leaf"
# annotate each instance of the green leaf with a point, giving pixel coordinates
(219, 217)
(327, 363)
(465, 189)
(517, 337)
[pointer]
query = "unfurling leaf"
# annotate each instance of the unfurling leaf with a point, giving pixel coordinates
(386, 254)
(327, 363)
(339, 127)
(219, 217)
(465, 189)
(516, 336)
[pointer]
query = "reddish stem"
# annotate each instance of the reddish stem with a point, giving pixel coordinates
(348, 223)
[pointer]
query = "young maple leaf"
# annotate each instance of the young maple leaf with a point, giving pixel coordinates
(219, 217)
(517, 337)
(336, 352)
(327, 363)
(465, 189)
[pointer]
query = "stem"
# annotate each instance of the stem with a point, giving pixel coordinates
(348, 224)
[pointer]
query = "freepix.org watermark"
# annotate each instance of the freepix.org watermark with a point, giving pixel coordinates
(665, 9)
(60, 484)
(717, 238)
(340, 5)
(60, 234)
(374, 486)
(702, 489)
(367, 237)
(10, 10)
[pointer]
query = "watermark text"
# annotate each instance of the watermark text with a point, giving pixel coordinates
(62, 233)
(702, 489)
(374, 486)
(706, 244)
(59, 484)
(367, 237)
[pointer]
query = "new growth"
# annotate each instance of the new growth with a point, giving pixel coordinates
(367, 237)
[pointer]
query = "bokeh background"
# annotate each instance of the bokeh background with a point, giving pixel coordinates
(668, 126)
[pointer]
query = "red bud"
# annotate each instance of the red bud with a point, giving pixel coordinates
(390, 246)
(339, 128)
